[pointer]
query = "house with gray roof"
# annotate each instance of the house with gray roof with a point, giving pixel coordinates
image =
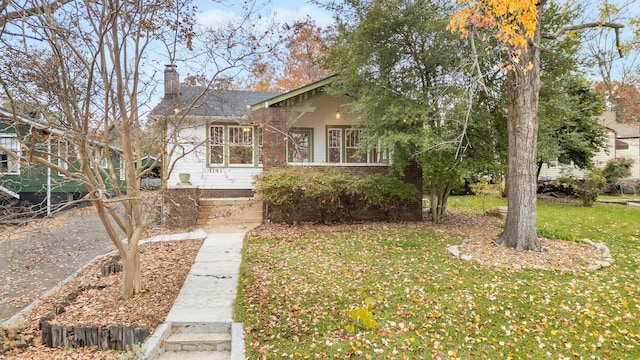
(224, 138)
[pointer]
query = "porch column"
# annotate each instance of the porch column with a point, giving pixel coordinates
(274, 137)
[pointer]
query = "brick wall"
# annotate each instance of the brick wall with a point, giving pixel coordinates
(413, 175)
(274, 137)
(182, 207)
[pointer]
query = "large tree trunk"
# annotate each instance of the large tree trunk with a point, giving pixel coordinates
(523, 85)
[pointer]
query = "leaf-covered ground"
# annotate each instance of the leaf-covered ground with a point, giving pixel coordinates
(164, 267)
(381, 291)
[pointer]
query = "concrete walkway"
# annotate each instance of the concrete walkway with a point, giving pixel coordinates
(202, 314)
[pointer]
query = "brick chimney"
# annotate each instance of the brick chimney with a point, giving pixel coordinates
(171, 81)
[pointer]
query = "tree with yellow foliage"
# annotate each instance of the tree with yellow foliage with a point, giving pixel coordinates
(516, 25)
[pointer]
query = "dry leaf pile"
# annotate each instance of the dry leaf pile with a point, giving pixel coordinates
(165, 265)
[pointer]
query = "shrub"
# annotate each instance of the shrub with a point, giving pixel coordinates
(590, 187)
(12, 338)
(293, 193)
(386, 192)
(615, 171)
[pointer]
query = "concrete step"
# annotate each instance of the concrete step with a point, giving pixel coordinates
(229, 210)
(218, 212)
(224, 201)
(220, 342)
(195, 355)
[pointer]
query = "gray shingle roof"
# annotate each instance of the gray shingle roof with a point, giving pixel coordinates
(195, 101)
(622, 129)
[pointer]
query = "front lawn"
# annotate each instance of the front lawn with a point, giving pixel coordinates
(409, 299)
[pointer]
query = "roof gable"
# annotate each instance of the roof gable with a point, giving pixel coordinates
(301, 91)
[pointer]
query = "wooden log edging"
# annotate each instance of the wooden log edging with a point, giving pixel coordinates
(114, 337)
(111, 266)
(105, 338)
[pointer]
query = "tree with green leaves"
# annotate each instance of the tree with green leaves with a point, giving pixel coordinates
(408, 82)
(569, 129)
(569, 132)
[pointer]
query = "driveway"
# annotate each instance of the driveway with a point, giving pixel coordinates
(35, 258)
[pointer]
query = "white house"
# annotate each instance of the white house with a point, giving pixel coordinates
(223, 138)
(623, 140)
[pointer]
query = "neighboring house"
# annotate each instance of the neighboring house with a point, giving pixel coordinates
(229, 136)
(623, 140)
(35, 183)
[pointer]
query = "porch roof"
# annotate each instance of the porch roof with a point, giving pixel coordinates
(301, 91)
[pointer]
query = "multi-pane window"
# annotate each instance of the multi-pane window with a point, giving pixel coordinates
(99, 156)
(234, 145)
(9, 165)
(344, 146)
(334, 145)
(216, 145)
(259, 134)
(352, 141)
(240, 145)
(299, 145)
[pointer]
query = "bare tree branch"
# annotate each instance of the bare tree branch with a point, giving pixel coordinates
(32, 11)
(597, 24)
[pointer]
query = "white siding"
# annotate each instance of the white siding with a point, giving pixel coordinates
(600, 159)
(202, 176)
(551, 172)
(633, 153)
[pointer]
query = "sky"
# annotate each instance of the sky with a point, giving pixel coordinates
(285, 11)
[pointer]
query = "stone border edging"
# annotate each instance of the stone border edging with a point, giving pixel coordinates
(605, 261)
(192, 235)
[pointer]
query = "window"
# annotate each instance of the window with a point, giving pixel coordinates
(63, 155)
(9, 165)
(299, 145)
(99, 156)
(234, 145)
(240, 145)
(343, 146)
(121, 162)
(260, 146)
(216, 145)
(334, 146)
(352, 140)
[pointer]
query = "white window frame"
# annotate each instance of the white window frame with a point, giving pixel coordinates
(122, 169)
(241, 138)
(63, 155)
(216, 140)
(11, 142)
(246, 136)
(292, 148)
(98, 155)
(375, 156)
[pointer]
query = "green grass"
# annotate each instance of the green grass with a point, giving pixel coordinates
(295, 295)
